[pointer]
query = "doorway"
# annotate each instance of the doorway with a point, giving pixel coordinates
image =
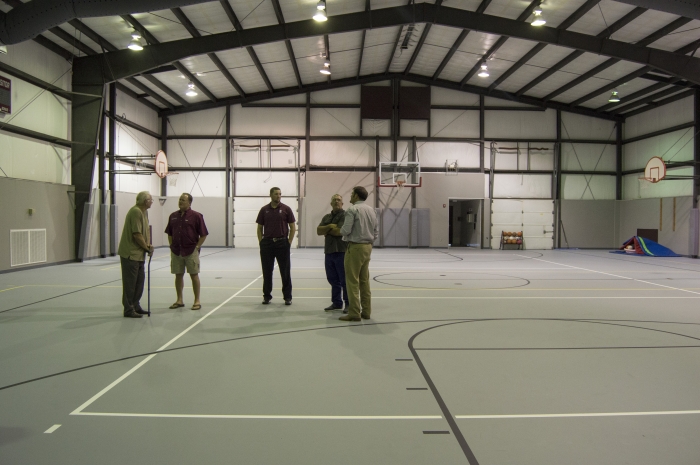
(465, 220)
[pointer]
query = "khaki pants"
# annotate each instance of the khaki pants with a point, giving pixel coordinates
(357, 258)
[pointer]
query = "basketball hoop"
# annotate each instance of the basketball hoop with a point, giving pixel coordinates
(655, 170)
(400, 183)
(172, 178)
(160, 166)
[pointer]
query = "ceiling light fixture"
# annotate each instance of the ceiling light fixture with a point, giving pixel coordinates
(191, 92)
(135, 43)
(321, 5)
(614, 97)
(484, 71)
(320, 15)
(539, 19)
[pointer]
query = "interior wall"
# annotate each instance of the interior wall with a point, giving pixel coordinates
(657, 214)
(25, 158)
(53, 211)
(588, 224)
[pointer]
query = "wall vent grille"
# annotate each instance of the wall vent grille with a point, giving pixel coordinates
(27, 246)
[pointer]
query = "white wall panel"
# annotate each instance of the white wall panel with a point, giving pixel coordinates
(584, 127)
(580, 187)
(454, 123)
(32, 160)
(335, 121)
(665, 116)
(376, 127)
(511, 160)
(256, 153)
(259, 183)
(342, 95)
(249, 121)
(207, 122)
(137, 112)
(200, 183)
(133, 142)
(196, 152)
(675, 146)
(522, 186)
(521, 124)
(343, 153)
(413, 128)
(635, 188)
(440, 96)
(435, 154)
(588, 157)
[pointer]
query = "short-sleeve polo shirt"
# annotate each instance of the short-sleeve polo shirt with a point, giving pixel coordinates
(275, 221)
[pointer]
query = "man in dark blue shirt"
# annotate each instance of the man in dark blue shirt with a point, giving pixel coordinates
(334, 250)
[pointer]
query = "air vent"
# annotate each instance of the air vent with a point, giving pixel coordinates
(27, 246)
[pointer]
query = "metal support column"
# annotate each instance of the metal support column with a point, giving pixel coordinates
(376, 172)
(556, 186)
(618, 162)
(308, 132)
(102, 153)
(113, 238)
(414, 157)
(164, 148)
(695, 214)
(482, 131)
(395, 124)
(228, 176)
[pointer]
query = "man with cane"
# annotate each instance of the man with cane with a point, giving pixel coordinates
(133, 245)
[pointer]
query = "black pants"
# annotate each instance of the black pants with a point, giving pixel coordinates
(133, 277)
(269, 251)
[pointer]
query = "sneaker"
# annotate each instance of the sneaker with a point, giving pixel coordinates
(288, 302)
(141, 311)
(332, 307)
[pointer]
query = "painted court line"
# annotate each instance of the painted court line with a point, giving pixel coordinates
(147, 359)
(501, 297)
(52, 429)
(264, 417)
(614, 275)
(576, 415)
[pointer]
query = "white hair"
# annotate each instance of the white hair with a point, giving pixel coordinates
(141, 197)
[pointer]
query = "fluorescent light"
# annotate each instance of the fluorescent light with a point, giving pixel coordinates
(614, 97)
(321, 5)
(484, 71)
(320, 15)
(135, 44)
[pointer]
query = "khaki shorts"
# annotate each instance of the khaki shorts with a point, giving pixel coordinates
(178, 264)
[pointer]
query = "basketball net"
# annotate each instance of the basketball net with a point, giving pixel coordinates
(400, 184)
(172, 179)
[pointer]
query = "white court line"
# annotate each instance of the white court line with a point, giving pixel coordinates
(52, 429)
(147, 359)
(499, 298)
(575, 415)
(266, 417)
(614, 275)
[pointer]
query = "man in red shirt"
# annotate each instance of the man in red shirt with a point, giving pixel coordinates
(276, 228)
(186, 233)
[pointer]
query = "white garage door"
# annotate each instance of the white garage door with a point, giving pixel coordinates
(245, 212)
(535, 218)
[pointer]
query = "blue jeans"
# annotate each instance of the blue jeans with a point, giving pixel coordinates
(335, 273)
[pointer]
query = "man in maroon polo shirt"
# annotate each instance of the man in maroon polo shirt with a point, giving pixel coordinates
(186, 233)
(276, 228)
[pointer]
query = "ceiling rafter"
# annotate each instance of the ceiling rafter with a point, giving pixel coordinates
(128, 64)
(616, 26)
(185, 21)
(458, 42)
(287, 42)
(421, 41)
(150, 38)
(238, 29)
(651, 38)
(43, 41)
(651, 106)
(368, 6)
(499, 43)
(651, 98)
(327, 46)
(568, 22)
(691, 47)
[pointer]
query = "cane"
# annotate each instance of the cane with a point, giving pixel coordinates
(150, 240)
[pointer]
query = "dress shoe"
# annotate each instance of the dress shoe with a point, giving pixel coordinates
(349, 318)
(364, 316)
(132, 315)
(141, 311)
(288, 302)
(332, 307)
(266, 301)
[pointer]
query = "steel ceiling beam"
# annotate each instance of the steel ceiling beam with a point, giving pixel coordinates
(287, 42)
(238, 33)
(150, 38)
(568, 22)
(651, 98)
(458, 42)
(421, 41)
(499, 43)
(327, 45)
(639, 73)
(651, 106)
(126, 63)
(43, 41)
(138, 97)
(368, 7)
(612, 61)
(143, 88)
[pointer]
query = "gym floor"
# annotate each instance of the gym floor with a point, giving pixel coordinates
(471, 356)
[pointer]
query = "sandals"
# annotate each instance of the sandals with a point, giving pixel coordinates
(176, 305)
(196, 307)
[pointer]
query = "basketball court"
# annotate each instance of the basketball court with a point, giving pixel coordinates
(471, 356)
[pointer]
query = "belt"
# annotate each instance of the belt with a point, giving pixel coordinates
(275, 239)
(359, 243)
